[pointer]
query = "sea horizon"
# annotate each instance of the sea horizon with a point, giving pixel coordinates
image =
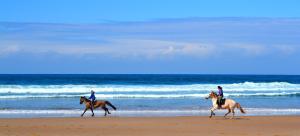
(146, 74)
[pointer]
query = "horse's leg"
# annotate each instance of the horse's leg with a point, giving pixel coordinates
(84, 112)
(104, 111)
(232, 110)
(92, 112)
(212, 112)
(227, 113)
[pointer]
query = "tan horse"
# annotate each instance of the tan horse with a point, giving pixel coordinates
(99, 103)
(229, 104)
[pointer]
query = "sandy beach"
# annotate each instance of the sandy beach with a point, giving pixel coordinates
(152, 126)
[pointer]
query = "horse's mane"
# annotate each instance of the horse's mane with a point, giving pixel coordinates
(215, 93)
(85, 98)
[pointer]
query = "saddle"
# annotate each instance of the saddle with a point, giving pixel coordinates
(222, 101)
(94, 102)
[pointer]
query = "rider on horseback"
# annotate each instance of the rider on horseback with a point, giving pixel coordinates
(92, 98)
(220, 96)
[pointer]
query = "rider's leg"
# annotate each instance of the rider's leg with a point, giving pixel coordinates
(92, 108)
(92, 105)
(219, 101)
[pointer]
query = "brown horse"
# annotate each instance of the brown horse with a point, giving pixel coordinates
(229, 104)
(98, 103)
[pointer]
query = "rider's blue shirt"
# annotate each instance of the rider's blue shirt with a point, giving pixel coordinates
(92, 97)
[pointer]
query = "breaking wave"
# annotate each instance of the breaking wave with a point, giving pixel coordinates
(149, 91)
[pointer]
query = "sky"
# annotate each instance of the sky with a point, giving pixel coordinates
(149, 37)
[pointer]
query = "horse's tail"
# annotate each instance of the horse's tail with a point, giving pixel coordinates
(109, 104)
(240, 107)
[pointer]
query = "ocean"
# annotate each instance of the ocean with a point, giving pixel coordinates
(51, 95)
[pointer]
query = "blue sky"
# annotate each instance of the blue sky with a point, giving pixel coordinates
(95, 11)
(176, 37)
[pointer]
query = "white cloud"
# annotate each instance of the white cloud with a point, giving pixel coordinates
(122, 48)
(130, 48)
(199, 50)
(200, 38)
(151, 49)
(159, 48)
(6, 50)
(247, 49)
(286, 49)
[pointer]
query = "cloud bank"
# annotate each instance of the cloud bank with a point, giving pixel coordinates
(179, 40)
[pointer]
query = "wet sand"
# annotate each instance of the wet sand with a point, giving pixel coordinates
(152, 126)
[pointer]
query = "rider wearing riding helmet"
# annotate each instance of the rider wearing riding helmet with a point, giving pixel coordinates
(220, 95)
(92, 98)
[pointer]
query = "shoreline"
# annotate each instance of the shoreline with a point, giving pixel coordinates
(146, 126)
(177, 116)
(143, 113)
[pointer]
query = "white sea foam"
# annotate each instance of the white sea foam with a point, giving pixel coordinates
(152, 96)
(200, 112)
(235, 87)
(149, 91)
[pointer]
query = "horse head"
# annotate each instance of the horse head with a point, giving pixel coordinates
(82, 99)
(212, 95)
